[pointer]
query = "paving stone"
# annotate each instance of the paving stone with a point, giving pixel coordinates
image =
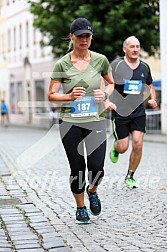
(56, 244)
(37, 219)
(20, 230)
(5, 244)
(40, 224)
(5, 249)
(45, 230)
(9, 211)
(22, 242)
(62, 249)
(17, 226)
(22, 237)
(17, 218)
(14, 234)
(50, 235)
(28, 246)
(31, 250)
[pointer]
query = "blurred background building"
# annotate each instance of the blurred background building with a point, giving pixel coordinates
(24, 65)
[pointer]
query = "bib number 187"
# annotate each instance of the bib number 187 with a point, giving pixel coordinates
(85, 106)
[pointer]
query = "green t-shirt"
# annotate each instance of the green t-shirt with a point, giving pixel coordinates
(69, 76)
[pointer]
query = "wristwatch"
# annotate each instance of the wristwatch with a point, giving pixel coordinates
(106, 96)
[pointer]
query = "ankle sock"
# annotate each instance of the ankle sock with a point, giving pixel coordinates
(81, 207)
(130, 174)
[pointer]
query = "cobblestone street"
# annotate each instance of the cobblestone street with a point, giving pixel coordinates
(37, 210)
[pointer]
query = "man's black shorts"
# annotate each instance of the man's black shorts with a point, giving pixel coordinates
(123, 126)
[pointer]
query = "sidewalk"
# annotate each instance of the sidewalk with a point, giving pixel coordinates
(149, 137)
(23, 225)
(159, 138)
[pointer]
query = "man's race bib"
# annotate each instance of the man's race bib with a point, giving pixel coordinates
(132, 86)
(85, 106)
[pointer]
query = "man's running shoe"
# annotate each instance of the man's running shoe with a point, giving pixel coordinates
(130, 182)
(114, 155)
(95, 204)
(82, 216)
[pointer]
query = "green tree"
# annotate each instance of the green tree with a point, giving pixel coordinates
(112, 21)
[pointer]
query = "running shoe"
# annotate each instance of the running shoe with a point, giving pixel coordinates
(130, 182)
(82, 216)
(95, 204)
(114, 155)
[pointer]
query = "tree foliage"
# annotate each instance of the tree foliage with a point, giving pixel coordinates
(112, 21)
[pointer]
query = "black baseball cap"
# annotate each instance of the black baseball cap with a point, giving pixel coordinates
(80, 26)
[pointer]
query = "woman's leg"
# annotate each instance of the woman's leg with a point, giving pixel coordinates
(96, 149)
(72, 136)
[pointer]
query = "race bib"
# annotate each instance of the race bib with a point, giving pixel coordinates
(132, 86)
(82, 107)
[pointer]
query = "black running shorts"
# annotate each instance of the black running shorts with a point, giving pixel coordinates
(122, 127)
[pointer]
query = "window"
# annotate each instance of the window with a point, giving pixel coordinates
(12, 98)
(9, 40)
(0, 8)
(34, 36)
(40, 94)
(3, 45)
(20, 36)
(20, 96)
(14, 39)
(27, 34)
(0, 44)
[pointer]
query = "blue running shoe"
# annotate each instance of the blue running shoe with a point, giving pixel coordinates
(95, 204)
(82, 216)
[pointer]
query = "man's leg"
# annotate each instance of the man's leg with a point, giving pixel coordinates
(119, 146)
(135, 157)
(121, 134)
(136, 153)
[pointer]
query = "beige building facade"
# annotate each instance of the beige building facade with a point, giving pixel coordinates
(26, 66)
(4, 76)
